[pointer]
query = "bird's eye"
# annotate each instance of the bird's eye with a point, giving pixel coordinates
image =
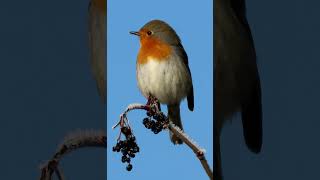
(149, 33)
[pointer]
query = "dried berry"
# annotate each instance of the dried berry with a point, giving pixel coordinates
(131, 154)
(120, 144)
(129, 167)
(123, 159)
(135, 149)
(114, 149)
(124, 152)
(145, 120)
(156, 117)
(126, 131)
(132, 138)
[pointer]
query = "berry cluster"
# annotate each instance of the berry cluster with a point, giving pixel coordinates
(157, 123)
(127, 147)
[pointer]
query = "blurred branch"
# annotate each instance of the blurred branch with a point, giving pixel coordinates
(71, 143)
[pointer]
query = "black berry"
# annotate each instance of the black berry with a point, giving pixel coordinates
(117, 148)
(145, 120)
(124, 152)
(132, 138)
(129, 167)
(120, 144)
(132, 155)
(126, 131)
(156, 117)
(123, 159)
(136, 149)
(114, 148)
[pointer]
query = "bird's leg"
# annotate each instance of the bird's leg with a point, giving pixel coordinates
(153, 104)
(159, 107)
(149, 100)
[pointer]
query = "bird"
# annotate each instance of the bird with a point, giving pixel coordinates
(162, 69)
(236, 78)
(97, 44)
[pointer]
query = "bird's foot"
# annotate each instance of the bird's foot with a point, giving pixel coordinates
(153, 105)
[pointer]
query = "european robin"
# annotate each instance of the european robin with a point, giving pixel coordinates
(162, 69)
(237, 82)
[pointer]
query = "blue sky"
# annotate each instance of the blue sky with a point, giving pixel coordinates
(158, 157)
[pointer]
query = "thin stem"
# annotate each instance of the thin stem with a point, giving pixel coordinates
(195, 148)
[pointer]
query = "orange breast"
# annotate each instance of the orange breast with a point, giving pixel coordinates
(153, 48)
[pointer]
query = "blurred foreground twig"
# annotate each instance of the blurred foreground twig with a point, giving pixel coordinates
(72, 142)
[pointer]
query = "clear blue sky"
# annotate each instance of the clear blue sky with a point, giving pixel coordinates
(159, 158)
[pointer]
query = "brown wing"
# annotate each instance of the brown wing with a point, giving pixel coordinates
(97, 43)
(190, 97)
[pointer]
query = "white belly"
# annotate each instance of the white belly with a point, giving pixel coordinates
(169, 81)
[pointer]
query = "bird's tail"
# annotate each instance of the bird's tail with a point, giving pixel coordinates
(174, 117)
(217, 171)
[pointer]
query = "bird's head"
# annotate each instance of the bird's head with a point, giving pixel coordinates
(157, 30)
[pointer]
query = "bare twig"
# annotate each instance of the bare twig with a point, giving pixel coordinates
(130, 108)
(72, 142)
(152, 107)
(195, 148)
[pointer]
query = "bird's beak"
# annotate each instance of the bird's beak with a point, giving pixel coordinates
(135, 33)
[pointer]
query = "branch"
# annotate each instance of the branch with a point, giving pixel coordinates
(71, 143)
(153, 109)
(82, 139)
(195, 148)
